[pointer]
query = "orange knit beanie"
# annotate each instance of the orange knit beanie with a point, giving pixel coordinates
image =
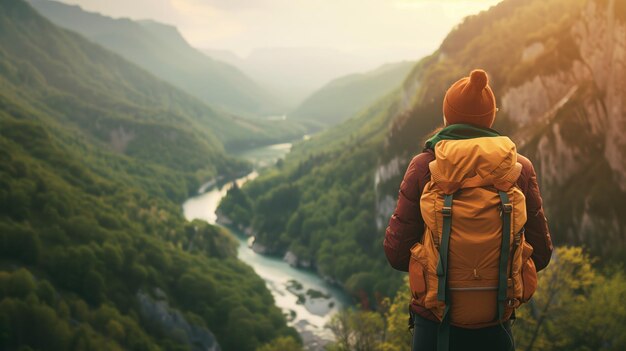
(470, 101)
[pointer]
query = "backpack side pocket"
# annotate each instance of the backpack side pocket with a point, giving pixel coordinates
(529, 273)
(417, 279)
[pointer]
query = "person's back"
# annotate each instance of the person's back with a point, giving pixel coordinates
(473, 164)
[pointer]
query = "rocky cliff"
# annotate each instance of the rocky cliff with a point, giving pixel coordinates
(561, 99)
(172, 322)
(580, 150)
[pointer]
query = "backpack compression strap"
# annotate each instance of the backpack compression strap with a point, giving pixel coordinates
(443, 334)
(506, 208)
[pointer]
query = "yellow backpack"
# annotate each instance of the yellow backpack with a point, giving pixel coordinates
(465, 270)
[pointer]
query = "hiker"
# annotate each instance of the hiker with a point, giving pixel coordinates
(457, 198)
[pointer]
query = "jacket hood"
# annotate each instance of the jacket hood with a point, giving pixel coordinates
(475, 162)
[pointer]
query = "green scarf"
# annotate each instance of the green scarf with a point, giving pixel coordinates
(459, 132)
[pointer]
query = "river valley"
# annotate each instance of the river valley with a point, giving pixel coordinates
(307, 300)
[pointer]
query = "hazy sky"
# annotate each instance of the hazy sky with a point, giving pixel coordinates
(390, 29)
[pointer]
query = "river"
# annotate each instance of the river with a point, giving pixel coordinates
(307, 300)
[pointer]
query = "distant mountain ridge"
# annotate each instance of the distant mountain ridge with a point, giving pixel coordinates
(160, 49)
(294, 73)
(344, 97)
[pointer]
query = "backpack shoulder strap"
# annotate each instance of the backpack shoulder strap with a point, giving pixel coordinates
(443, 334)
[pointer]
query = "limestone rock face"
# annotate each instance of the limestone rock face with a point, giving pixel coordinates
(603, 45)
(385, 203)
(294, 261)
(596, 80)
(172, 321)
(572, 123)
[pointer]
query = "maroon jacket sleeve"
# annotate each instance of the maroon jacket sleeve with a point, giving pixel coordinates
(406, 226)
(536, 229)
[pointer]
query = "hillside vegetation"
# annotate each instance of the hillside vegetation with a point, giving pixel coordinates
(97, 156)
(161, 50)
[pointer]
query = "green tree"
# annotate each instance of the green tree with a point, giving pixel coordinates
(397, 335)
(357, 330)
(285, 343)
(20, 283)
(574, 308)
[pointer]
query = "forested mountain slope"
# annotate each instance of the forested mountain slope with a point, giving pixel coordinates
(557, 68)
(95, 254)
(160, 49)
(234, 132)
(343, 97)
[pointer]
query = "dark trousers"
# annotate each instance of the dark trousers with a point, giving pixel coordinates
(496, 338)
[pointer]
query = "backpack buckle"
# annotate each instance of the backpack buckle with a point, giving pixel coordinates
(507, 208)
(436, 241)
(512, 303)
(518, 238)
(446, 211)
